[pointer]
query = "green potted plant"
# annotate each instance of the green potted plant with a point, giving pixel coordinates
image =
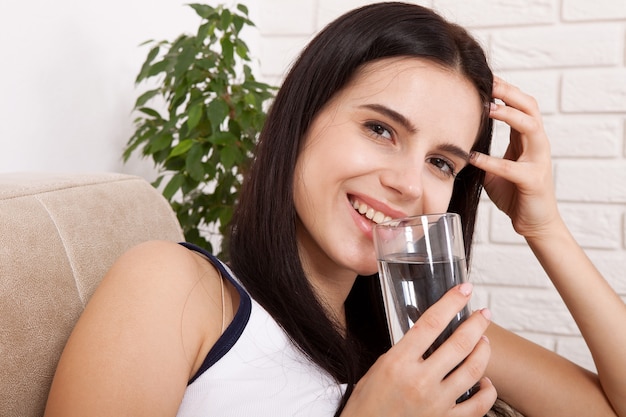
(202, 143)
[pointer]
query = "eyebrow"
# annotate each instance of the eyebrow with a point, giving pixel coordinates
(406, 124)
(397, 117)
(455, 150)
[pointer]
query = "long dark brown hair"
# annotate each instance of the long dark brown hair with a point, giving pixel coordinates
(263, 247)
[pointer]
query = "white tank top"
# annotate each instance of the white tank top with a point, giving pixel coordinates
(255, 370)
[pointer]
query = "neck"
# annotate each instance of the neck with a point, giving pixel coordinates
(332, 288)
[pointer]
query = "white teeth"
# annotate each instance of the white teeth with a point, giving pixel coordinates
(378, 217)
(370, 213)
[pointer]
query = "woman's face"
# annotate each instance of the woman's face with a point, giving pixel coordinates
(386, 146)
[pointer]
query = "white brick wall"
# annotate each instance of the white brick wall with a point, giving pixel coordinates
(569, 54)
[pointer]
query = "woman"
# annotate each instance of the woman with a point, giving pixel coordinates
(387, 113)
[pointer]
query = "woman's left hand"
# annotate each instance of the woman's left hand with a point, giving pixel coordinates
(521, 183)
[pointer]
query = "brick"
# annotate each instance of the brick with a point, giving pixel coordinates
(580, 10)
(506, 265)
(585, 136)
(544, 86)
(594, 226)
(481, 230)
(480, 13)
(624, 137)
(286, 17)
(601, 181)
(557, 47)
(480, 297)
(501, 230)
(533, 310)
(599, 90)
(500, 140)
(575, 349)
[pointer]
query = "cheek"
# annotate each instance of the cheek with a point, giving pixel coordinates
(437, 197)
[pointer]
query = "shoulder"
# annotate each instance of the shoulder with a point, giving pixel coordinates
(172, 290)
(142, 334)
(156, 266)
(156, 257)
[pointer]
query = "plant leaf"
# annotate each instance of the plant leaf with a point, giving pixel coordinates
(195, 114)
(238, 23)
(147, 63)
(227, 17)
(193, 162)
(227, 51)
(228, 156)
(156, 68)
(223, 139)
(242, 49)
(242, 8)
(185, 59)
(145, 97)
(160, 142)
(217, 110)
(203, 10)
(151, 112)
(173, 185)
(181, 148)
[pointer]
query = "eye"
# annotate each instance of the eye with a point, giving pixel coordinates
(443, 165)
(378, 130)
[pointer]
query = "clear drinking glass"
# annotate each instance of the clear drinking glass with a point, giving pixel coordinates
(419, 259)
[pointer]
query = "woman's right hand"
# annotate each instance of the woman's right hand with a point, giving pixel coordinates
(402, 383)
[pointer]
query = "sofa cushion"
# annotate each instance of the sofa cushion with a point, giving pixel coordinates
(59, 234)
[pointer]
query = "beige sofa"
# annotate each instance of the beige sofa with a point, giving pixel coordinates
(59, 233)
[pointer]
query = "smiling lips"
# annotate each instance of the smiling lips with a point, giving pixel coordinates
(370, 213)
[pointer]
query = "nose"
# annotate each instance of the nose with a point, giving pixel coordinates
(404, 178)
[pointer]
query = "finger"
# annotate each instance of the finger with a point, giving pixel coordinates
(480, 403)
(434, 320)
(465, 341)
(521, 112)
(512, 96)
(522, 122)
(471, 370)
(512, 171)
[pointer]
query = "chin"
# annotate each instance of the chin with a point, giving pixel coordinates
(368, 270)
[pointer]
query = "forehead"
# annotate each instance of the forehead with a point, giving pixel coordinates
(423, 91)
(408, 77)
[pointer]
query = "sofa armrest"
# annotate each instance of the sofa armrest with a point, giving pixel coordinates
(59, 234)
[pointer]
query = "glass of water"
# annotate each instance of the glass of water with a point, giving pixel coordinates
(419, 259)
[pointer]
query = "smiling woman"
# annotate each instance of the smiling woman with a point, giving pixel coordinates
(380, 142)
(387, 113)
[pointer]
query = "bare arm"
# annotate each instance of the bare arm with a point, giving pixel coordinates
(538, 382)
(596, 308)
(140, 338)
(532, 379)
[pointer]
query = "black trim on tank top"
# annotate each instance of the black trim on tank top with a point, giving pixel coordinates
(232, 333)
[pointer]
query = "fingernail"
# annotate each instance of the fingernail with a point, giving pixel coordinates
(486, 313)
(485, 338)
(466, 288)
(473, 156)
(493, 107)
